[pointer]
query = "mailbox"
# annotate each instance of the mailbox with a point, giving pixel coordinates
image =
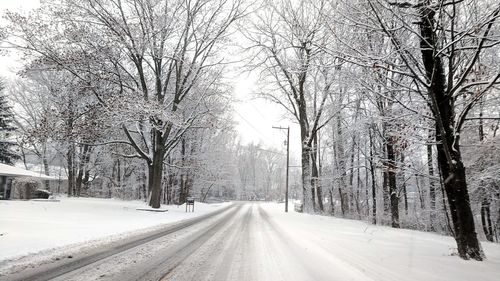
(189, 204)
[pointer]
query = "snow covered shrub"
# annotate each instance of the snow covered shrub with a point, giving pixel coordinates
(25, 187)
(41, 194)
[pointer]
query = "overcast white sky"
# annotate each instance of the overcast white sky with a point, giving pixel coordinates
(255, 117)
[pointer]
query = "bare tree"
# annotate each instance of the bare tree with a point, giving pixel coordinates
(159, 55)
(286, 39)
(450, 43)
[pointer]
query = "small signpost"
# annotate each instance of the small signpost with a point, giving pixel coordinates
(190, 202)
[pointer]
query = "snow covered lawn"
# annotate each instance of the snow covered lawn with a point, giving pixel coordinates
(382, 253)
(28, 227)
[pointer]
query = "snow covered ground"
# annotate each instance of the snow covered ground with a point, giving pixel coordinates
(252, 241)
(381, 253)
(28, 227)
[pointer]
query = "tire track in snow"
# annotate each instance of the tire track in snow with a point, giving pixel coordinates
(219, 258)
(317, 262)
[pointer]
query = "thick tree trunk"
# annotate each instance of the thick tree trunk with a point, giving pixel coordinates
(455, 186)
(155, 171)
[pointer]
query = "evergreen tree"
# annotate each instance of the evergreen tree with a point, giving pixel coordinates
(7, 155)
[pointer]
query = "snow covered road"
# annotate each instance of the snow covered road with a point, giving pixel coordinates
(253, 247)
(262, 242)
(255, 241)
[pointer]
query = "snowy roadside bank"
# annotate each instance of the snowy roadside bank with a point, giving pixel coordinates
(49, 228)
(382, 253)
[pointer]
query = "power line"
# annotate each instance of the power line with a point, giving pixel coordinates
(258, 111)
(287, 162)
(255, 129)
(270, 151)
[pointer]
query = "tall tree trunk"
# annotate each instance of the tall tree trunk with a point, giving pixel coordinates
(166, 186)
(358, 185)
(403, 182)
(486, 219)
(485, 203)
(308, 198)
(183, 175)
(46, 171)
(70, 154)
(182, 191)
(119, 174)
(367, 188)
(497, 232)
(342, 202)
(332, 202)
(351, 174)
(341, 169)
(372, 172)
(143, 180)
(315, 183)
(84, 159)
(114, 177)
(432, 184)
(170, 185)
(448, 143)
(70, 159)
(391, 177)
(481, 123)
(385, 188)
(421, 193)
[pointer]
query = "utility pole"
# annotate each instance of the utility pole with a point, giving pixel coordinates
(287, 162)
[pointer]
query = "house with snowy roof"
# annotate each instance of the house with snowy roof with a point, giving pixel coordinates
(9, 173)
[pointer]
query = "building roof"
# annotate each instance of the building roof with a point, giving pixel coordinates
(11, 171)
